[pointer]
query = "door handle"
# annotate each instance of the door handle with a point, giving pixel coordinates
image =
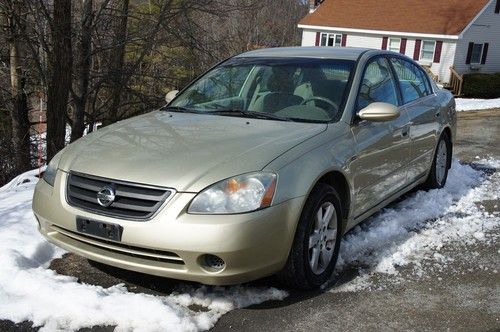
(405, 131)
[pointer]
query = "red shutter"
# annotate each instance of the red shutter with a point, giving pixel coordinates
(437, 51)
(344, 40)
(469, 54)
(318, 36)
(416, 53)
(497, 7)
(485, 51)
(384, 42)
(402, 47)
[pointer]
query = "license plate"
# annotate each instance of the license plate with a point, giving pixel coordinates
(100, 229)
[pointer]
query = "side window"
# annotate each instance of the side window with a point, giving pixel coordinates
(377, 85)
(412, 80)
(428, 86)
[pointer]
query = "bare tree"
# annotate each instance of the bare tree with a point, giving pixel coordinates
(13, 13)
(84, 58)
(127, 55)
(60, 81)
(118, 62)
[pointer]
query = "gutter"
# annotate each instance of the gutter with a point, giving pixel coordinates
(380, 32)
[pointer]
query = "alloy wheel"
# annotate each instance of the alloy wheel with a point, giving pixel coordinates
(322, 238)
(441, 162)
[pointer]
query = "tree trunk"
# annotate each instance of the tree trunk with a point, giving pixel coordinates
(19, 110)
(84, 49)
(60, 81)
(118, 61)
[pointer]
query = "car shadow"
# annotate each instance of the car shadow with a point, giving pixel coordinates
(95, 273)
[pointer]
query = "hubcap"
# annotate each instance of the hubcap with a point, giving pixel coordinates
(322, 238)
(441, 162)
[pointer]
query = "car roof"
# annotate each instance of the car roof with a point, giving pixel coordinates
(341, 53)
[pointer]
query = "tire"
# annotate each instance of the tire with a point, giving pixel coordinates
(438, 173)
(306, 268)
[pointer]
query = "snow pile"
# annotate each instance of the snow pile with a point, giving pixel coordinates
(28, 177)
(30, 291)
(412, 232)
(476, 104)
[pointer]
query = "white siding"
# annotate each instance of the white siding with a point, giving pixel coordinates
(308, 38)
(486, 29)
(442, 69)
(369, 41)
(410, 47)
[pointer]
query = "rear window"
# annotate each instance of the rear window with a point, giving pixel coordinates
(413, 81)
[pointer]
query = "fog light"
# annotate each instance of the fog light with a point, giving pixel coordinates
(213, 263)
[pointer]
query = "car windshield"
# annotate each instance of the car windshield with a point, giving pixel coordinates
(287, 89)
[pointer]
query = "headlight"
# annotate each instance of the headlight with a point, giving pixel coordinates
(244, 193)
(50, 172)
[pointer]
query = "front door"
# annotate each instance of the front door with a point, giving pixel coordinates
(383, 148)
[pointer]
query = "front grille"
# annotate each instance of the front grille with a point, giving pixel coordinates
(132, 201)
(119, 248)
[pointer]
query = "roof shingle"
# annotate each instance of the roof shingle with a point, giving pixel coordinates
(445, 17)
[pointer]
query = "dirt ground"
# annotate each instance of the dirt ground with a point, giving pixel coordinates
(462, 297)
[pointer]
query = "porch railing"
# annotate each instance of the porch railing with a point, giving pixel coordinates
(456, 82)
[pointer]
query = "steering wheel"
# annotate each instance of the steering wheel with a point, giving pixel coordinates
(333, 106)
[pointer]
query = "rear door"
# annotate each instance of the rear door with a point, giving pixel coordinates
(423, 111)
(383, 148)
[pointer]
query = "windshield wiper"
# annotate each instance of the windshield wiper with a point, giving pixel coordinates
(248, 114)
(179, 109)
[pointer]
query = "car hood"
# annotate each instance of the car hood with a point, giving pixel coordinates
(187, 152)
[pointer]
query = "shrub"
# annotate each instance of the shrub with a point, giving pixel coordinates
(481, 85)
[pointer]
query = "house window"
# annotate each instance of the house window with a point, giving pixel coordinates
(477, 53)
(394, 44)
(331, 39)
(427, 52)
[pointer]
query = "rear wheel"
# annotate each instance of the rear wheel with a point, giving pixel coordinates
(439, 169)
(316, 245)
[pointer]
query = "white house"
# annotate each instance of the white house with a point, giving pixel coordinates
(439, 34)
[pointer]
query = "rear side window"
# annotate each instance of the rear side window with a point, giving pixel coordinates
(378, 85)
(412, 80)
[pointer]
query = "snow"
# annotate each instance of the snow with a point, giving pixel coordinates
(405, 235)
(412, 232)
(30, 291)
(476, 104)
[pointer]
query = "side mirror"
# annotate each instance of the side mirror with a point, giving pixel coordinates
(171, 95)
(379, 112)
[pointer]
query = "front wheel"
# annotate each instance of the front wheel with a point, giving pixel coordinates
(439, 169)
(316, 245)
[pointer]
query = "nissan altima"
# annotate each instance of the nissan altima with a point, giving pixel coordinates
(258, 167)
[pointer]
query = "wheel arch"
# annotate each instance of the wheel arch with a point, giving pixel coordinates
(339, 181)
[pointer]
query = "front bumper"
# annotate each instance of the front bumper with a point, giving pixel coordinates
(253, 245)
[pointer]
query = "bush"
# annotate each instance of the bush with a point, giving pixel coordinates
(481, 85)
